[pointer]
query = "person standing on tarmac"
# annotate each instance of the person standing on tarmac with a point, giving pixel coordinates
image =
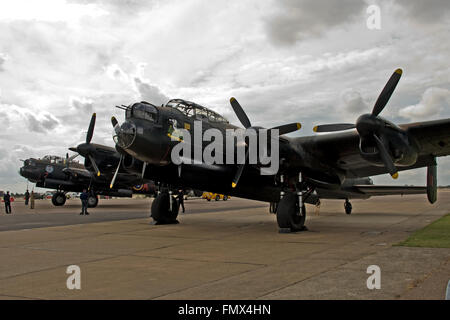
(180, 198)
(27, 197)
(84, 196)
(7, 199)
(32, 200)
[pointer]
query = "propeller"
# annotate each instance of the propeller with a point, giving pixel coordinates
(371, 125)
(85, 149)
(243, 118)
(116, 126)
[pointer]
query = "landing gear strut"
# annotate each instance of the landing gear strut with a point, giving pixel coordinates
(59, 199)
(348, 207)
(291, 211)
(165, 208)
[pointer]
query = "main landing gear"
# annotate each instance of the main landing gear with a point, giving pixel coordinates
(348, 207)
(59, 198)
(165, 208)
(291, 210)
(92, 200)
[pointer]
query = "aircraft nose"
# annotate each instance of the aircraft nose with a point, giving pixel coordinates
(126, 134)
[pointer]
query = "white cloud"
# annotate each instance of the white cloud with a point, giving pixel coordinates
(47, 10)
(433, 101)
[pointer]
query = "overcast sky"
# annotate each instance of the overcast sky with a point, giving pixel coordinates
(285, 60)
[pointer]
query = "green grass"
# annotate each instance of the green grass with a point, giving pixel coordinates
(435, 235)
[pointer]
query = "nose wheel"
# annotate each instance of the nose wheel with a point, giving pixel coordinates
(348, 207)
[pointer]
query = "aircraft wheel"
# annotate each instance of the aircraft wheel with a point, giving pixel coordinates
(160, 209)
(225, 198)
(59, 199)
(217, 198)
(348, 207)
(287, 213)
(92, 201)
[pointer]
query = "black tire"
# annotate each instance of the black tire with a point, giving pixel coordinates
(160, 209)
(217, 198)
(59, 199)
(209, 199)
(287, 213)
(348, 207)
(225, 198)
(92, 201)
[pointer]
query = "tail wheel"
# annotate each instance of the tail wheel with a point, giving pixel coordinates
(348, 207)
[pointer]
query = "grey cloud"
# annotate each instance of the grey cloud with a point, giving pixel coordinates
(150, 93)
(82, 106)
(433, 101)
(47, 123)
(299, 19)
(430, 11)
(353, 102)
(2, 61)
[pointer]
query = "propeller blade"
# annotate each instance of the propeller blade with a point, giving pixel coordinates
(385, 95)
(144, 166)
(90, 132)
(74, 149)
(91, 158)
(115, 124)
(238, 174)
(386, 158)
(240, 113)
(287, 128)
(334, 127)
(115, 173)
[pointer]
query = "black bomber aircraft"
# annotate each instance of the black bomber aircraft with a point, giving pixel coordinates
(68, 175)
(336, 165)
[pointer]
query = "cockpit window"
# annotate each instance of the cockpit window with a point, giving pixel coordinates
(145, 111)
(196, 111)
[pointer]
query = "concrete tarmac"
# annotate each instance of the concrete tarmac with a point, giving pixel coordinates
(221, 250)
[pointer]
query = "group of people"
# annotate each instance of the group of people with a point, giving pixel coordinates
(29, 199)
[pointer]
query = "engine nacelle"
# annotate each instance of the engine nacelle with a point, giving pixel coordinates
(131, 164)
(397, 144)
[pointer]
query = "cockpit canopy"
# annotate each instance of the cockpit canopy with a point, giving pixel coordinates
(53, 159)
(194, 110)
(142, 110)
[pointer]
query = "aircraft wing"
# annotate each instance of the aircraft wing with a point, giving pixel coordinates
(374, 190)
(341, 150)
